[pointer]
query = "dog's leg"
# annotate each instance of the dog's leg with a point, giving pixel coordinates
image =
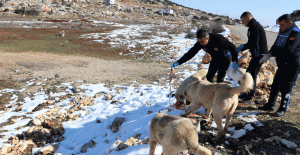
(228, 117)
(218, 120)
(152, 147)
(193, 107)
(208, 113)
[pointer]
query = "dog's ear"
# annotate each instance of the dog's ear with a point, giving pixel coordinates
(185, 93)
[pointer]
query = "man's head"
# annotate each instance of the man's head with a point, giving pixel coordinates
(285, 21)
(202, 36)
(246, 17)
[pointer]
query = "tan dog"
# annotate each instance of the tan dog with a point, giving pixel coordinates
(179, 94)
(174, 134)
(220, 98)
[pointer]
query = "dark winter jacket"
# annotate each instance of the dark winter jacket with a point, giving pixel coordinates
(257, 41)
(218, 47)
(287, 45)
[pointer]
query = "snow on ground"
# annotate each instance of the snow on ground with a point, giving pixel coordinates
(133, 106)
(275, 28)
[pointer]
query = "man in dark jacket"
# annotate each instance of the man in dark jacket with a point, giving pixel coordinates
(220, 49)
(286, 49)
(257, 44)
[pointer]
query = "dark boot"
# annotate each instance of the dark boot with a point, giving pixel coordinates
(267, 107)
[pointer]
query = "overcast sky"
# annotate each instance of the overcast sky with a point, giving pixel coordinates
(265, 11)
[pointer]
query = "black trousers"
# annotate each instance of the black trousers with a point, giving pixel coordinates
(284, 81)
(253, 68)
(218, 65)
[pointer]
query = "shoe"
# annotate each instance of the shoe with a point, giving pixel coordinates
(267, 107)
(280, 113)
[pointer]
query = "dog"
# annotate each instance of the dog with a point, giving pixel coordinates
(179, 94)
(174, 134)
(219, 98)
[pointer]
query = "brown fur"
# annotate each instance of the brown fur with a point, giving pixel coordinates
(179, 94)
(220, 98)
(174, 134)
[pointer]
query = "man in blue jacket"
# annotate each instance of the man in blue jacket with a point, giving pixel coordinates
(222, 51)
(257, 45)
(286, 49)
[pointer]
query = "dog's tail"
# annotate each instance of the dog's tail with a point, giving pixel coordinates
(246, 84)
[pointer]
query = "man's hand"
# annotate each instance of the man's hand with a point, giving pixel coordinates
(240, 48)
(174, 65)
(235, 65)
(265, 58)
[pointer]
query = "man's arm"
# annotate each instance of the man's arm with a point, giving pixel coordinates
(190, 54)
(227, 45)
(253, 39)
(296, 41)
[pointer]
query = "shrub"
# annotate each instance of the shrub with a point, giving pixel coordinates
(190, 34)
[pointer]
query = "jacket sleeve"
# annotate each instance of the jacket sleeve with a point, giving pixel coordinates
(253, 39)
(190, 54)
(227, 45)
(296, 43)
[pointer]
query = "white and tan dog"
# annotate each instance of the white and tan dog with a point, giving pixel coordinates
(174, 134)
(219, 98)
(179, 94)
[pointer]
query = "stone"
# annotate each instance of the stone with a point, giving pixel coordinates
(36, 122)
(4, 149)
(90, 144)
(206, 58)
(49, 149)
(108, 97)
(118, 121)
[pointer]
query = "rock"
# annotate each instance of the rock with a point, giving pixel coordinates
(22, 145)
(46, 9)
(90, 144)
(244, 60)
(206, 58)
(115, 101)
(108, 97)
(118, 121)
(118, 142)
(4, 149)
(98, 120)
(15, 140)
(49, 149)
(36, 122)
(287, 143)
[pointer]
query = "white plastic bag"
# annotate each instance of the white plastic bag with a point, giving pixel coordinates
(234, 74)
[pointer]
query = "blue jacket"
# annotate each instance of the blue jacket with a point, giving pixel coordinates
(287, 45)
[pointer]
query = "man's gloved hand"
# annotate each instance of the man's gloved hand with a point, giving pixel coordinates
(240, 48)
(265, 58)
(235, 65)
(174, 65)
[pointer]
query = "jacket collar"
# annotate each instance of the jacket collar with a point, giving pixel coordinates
(251, 22)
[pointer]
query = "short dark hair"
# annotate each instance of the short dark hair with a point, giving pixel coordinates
(286, 17)
(202, 33)
(246, 14)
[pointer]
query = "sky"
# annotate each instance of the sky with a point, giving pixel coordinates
(132, 105)
(264, 11)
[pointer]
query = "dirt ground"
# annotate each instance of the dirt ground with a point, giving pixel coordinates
(28, 65)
